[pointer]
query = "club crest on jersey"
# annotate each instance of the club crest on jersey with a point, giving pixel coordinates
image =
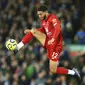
(46, 28)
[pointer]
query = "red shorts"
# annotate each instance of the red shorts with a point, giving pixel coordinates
(53, 50)
(54, 54)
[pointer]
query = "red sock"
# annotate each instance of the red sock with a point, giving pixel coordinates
(28, 37)
(61, 70)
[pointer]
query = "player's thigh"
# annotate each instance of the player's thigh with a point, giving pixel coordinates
(53, 65)
(40, 36)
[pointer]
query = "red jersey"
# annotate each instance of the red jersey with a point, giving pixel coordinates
(52, 28)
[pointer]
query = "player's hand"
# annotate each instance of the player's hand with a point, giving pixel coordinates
(26, 31)
(51, 41)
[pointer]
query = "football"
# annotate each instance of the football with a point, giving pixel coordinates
(11, 44)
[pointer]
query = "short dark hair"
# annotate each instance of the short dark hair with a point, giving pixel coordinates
(42, 8)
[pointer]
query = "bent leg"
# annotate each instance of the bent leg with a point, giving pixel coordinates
(39, 35)
(59, 70)
(54, 62)
(29, 36)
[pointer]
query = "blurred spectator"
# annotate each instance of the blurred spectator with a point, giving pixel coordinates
(41, 80)
(57, 81)
(83, 80)
(80, 35)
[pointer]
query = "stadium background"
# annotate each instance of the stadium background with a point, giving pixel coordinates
(30, 66)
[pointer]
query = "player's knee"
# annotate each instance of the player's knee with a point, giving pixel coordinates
(52, 70)
(33, 31)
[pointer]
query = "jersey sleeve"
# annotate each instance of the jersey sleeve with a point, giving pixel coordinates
(56, 25)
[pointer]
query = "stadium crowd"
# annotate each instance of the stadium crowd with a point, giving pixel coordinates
(30, 66)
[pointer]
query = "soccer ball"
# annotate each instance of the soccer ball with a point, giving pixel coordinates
(11, 44)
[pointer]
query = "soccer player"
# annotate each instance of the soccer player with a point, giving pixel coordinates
(50, 36)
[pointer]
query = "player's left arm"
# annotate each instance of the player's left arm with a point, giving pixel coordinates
(57, 27)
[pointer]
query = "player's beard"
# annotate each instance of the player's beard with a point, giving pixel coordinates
(44, 17)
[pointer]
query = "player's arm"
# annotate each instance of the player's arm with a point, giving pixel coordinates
(56, 24)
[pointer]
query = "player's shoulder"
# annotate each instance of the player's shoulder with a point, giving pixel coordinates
(53, 16)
